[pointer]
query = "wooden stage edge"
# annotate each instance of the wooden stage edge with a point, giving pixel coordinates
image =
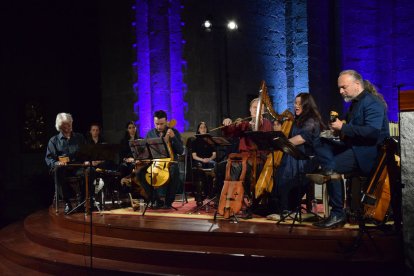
(49, 243)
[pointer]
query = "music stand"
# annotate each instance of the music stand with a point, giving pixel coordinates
(276, 140)
(284, 145)
(150, 149)
(92, 152)
(215, 141)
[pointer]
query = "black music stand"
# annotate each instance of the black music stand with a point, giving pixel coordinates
(150, 149)
(276, 140)
(215, 141)
(287, 147)
(263, 141)
(92, 152)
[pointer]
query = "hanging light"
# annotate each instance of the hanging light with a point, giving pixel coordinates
(207, 25)
(232, 25)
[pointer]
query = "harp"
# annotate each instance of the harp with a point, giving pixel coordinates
(265, 181)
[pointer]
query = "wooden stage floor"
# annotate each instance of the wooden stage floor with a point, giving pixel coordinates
(162, 242)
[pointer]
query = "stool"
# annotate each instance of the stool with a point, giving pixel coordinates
(354, 187)
(203, 180)
(74, 182)
(325, 198)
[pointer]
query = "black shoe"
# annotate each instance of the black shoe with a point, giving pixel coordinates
(332, 222)
(68, 207)
(157, 204)
(248, 214)
(323, 176)
(320, 221)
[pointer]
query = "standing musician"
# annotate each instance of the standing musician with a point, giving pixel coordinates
(290, 174)
(61, 150)
(366, 127)
(237, 129)
(172, 136)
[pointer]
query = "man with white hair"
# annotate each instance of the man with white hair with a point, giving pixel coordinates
(62, 149)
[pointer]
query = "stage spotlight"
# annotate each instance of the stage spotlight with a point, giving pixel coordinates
(207, 25)
(232, 25)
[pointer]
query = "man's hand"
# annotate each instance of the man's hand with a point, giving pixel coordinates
(336, 125)
(169, 134)
(129, 160)
(60, 163)
(227, 122)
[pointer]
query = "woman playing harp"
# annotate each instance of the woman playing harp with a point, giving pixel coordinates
(290, 174)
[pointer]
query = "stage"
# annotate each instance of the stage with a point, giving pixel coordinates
(176, 242)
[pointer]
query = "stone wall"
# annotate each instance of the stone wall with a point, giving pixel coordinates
(375, 39)
(407, 179)
(270, 45)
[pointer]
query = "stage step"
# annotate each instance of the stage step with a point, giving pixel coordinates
(9, 268)
(17, 249)
(56, 244)
(40, 229)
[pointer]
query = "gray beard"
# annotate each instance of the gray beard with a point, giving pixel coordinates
(347, 99)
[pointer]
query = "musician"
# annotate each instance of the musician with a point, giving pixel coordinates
(65, 145)
(366, 127)
(237, 129)
(304, 135)
(94, 136)
(173, 137)
(125, 154)
(203, 154)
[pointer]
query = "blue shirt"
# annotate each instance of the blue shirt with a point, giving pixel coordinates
(59, 145)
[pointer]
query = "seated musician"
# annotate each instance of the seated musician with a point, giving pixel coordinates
(104, 169)
(366, 128)
(127, 163)
(132, 172)
(237, 129)
(173, 137)
(94, 137)
(287, 193)
(61, 150)
(203, 155)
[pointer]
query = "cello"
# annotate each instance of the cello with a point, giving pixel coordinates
(377, 198)
(158, 173)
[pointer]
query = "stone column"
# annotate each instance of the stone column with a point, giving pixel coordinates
(407, 173)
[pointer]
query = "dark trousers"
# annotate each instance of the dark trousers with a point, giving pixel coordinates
(170, 187)
(340, 159)
(64, 189)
